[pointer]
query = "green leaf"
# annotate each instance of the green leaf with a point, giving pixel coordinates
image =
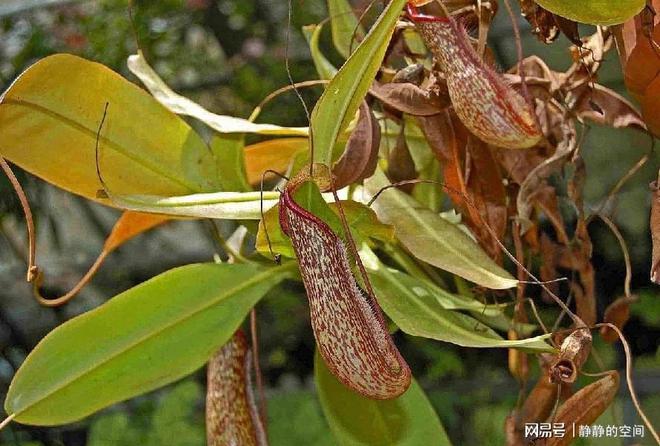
(391, 281)
(184, 106)
(142, 339)
(595, 12)
(300, 409)
(431, 238)
(418, 309)
(342, 97)
(323, 66)
(344, 26)
(229, 151)
(355, 420)
(222, 205)
(361, 219)
(50, 116)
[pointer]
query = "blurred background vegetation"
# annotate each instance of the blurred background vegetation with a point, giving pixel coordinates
(228, 55)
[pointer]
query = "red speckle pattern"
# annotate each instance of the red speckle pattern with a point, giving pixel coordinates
(348, 324)
(232, 418)
(484, 102)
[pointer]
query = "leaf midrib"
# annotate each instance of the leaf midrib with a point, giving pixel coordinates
(272, 271)
(143, 162)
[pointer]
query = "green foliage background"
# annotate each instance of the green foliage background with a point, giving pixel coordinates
(228, 55)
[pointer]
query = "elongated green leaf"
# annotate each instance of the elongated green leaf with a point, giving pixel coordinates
(431, 238)
(142, 339)
(184, 106)
(419, 310)
(323, 66)
(342, 97)
(229, 151)
(355, 420)
(50, 116)
(222, 205)
(595, 12)
(391, 281)
(346, 31)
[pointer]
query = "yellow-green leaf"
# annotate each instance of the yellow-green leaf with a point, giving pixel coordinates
(595, 12)
(323, 66)
(222, 205)
(420, 308)
(50, 116)
(346, 31)
(142, 339)
(431, 238)
(342, 97)
(184, 106)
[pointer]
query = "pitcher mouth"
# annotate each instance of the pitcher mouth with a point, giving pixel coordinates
(416, 16)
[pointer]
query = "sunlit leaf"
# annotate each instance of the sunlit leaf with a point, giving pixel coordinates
(222, 205)
(229, 151)
(342, 97)
(50, 116)
(142, 339)
(431, 238)
(323, 66)
(129, 225)
(184, 106)
(408, 420)
(346, 31)
(595, 12)
(420, 309)
(273, 154)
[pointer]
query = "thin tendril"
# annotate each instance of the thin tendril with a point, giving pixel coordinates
(32, 269)
(631, 389)
(276, 257)
(293, 84)
(624, 249)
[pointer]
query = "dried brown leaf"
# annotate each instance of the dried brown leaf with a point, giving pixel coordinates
(655, 232)
(616, 313)
(651, 106)
(400, 164)
(361, 153)
(606, 107)
(409, 98)
(584, 407)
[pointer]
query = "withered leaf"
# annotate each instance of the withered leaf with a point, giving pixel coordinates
(400, 164)
(542, 21)
(655, 232)
(643, 64)
(361, 153)
(409, 98)
(232, 416)
(584, 407)
(606, 107)
(348, 324)
(616, 313)
(651, 106)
